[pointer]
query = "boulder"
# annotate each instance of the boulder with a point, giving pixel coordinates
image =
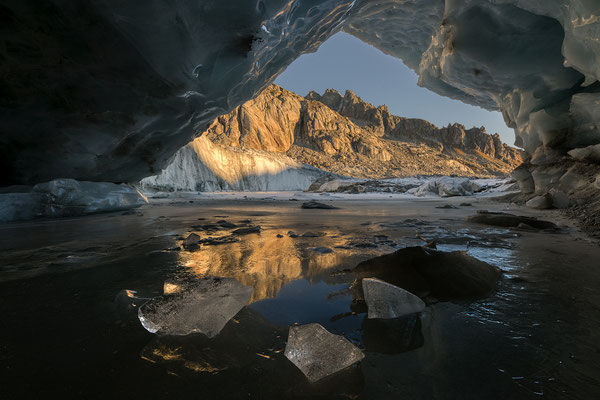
(388, 301)
(319, 353)
(429, 272)
(246, 231)
(507, 220)
(524, 179)
(576, 178)
(559, 198)
(198, 306)
(312, 205)
(540, 202)
(589, 154)
(191, 240)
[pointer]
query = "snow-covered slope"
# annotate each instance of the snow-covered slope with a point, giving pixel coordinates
(204, 166)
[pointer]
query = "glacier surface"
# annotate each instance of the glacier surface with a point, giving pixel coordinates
(204, 166)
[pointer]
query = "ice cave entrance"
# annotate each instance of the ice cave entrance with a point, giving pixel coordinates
(344, 62)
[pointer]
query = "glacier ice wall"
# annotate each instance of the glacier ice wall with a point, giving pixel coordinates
(207, 167)
(110, 90)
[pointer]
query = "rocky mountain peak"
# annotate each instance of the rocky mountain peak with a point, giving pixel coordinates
(349, 136)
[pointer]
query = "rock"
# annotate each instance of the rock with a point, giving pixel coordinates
(279, 235)
(546, 177)
(540, 202)
(207, 227)
(191, 240)
(525, 227)
(388, 301)
(428, 272)
(589, 154)
(226, 224)
(506, 220)
(577, 177)
(210, 241)
(524, 179)
(319, 353)
(559, 198)
(310, 234)
(448, 207)
(311, 205)
(322, 250)
(292, 234)
(364, 245)
(199, 306)
(546, 155)
(465, 204)
(246, 231)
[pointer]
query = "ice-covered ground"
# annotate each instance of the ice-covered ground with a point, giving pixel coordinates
(418, 187)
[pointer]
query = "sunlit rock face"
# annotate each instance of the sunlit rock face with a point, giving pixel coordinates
(110, 90)
(271, 142)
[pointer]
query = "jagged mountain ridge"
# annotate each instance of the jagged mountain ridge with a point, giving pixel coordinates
(348, 136)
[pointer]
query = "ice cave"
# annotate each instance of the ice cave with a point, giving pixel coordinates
(173, 223)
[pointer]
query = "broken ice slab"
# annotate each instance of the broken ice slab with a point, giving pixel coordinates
(319, 353)
(387, 301)
(198, 306)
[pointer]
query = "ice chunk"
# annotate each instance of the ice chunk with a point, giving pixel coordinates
(319, 353)
(198, 306)
(387, 301)
(22, 206)
(446, 186)
(68, 197)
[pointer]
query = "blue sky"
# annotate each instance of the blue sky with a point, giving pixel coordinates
(344, 62)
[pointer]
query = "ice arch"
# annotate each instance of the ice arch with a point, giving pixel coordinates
(109, 90)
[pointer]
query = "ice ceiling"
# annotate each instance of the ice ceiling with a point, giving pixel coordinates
(108, 89)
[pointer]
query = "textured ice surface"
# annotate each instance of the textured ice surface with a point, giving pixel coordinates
(387, 301)
(68, 197)
(206, 167)
(199, 306)
(443, 186)
(119, 112)
(319, 353)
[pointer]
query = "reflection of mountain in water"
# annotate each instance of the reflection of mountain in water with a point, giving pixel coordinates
(265, 261)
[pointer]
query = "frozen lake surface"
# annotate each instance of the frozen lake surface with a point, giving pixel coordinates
(71, 289)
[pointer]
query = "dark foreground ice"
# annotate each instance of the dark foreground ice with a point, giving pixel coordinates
(72, 290)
